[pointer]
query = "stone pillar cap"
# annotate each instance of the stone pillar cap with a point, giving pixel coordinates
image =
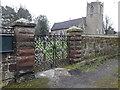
(23, 22)
(74, 28)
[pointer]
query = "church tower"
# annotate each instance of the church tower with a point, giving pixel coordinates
(94, 18)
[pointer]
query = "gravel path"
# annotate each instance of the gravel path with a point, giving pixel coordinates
(88, 79)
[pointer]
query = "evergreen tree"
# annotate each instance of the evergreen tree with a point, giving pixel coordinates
(9, 15)
(42, 25)
(24, 13)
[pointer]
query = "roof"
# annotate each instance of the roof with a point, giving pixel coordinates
(67, 24)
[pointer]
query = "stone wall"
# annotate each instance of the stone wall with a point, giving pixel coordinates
(23, 56)
(98, 45)
(8, 65)
(8, 62)
(86, 46)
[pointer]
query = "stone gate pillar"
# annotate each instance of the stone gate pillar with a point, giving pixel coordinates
(24, 45)
(74, 34)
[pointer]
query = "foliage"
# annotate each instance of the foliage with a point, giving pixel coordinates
(108, 26)
(9, 15)
(3, 84)
(24, 13)
(42, 25)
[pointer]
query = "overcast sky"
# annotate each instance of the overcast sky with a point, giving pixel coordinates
(62, 10)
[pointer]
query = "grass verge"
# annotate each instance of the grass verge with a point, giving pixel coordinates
(38, 83)
(86, 65)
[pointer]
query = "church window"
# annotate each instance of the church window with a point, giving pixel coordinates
(92, 9)
(100, 9)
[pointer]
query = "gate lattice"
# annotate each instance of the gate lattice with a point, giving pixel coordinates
(51, 51)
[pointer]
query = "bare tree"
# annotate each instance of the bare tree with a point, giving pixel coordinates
(107, 23)
(108, 26)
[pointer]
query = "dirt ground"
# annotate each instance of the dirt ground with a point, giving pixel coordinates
(104, 76)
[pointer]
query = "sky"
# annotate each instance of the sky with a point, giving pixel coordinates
(62, 10)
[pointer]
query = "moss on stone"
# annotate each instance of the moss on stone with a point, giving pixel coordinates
(69, 67)
(3, 84)
(90, 67)
(38, 83)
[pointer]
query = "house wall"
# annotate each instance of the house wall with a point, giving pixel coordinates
(59, 32)
(8, 65)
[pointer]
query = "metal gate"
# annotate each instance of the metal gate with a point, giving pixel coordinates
(51, 51)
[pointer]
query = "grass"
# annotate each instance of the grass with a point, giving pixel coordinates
(89, 67)
(3, 84)
(102, 56)
(84, 67)
(38, 83)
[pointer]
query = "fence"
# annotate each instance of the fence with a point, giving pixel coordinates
(51, 51)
